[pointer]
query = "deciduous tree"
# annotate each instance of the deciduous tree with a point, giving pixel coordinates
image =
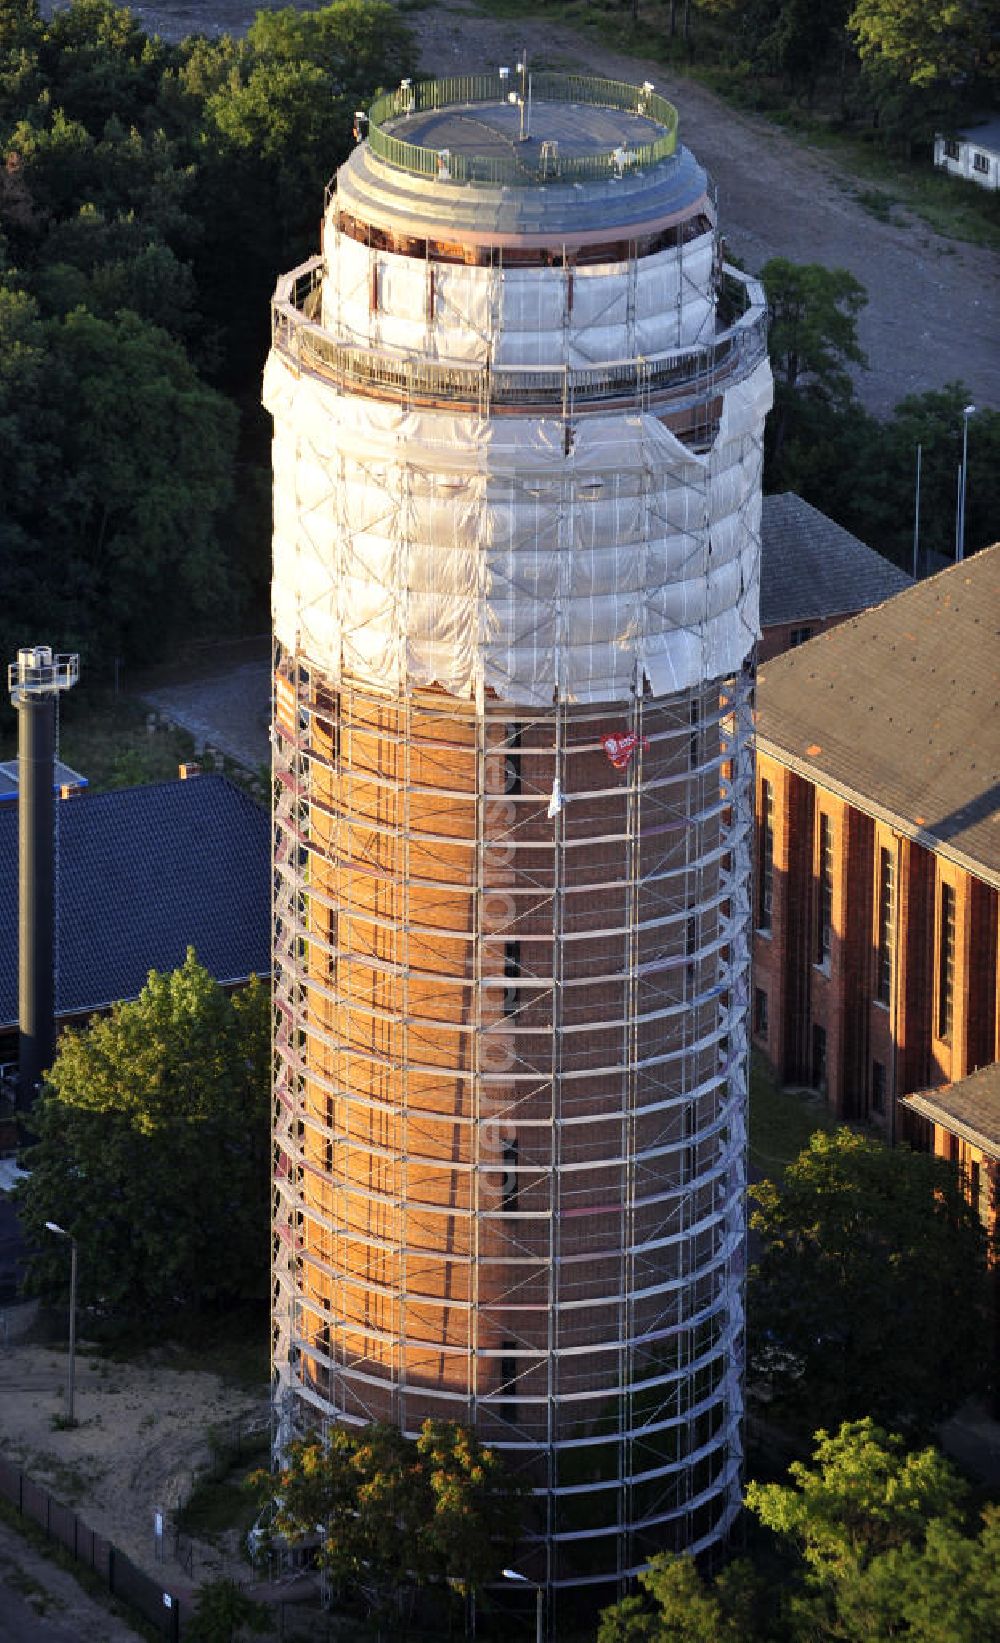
(393, 1515)
(870, 1293)
(152, 1152)
(926, 41)
(812, 342)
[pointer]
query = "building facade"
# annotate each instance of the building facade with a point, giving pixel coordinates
(878, 849)
(973, 155)
(518, 409)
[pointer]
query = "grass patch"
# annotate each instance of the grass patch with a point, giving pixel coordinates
(781, 1121)
(218, 1504)
(874, 201)
(234, 1345)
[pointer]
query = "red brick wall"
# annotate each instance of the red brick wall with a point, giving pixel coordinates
(838, 993)
(775, 640)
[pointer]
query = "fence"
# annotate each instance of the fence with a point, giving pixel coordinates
(61, 1524)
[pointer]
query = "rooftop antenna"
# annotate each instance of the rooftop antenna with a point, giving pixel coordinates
(36, 681)
(524, 102)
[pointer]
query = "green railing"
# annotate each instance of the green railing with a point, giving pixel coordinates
(524, 166)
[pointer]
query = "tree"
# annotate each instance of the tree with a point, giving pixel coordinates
(223, 1612)
(124, 463)
(883, 1547)
(393, 1514)
(812, 341)
(868, 1542)
(922, 42)
(879, 500)
(687, 1610)
(152, 1151)
(870, 1294)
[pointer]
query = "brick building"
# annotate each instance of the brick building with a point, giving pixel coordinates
(961, 1121)
(814, 574)
(878, 848)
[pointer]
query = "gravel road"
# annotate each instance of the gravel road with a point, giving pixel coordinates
(934, 304)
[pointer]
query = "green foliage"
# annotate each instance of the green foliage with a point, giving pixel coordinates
(687, 1611)
(863, 1496)
(883, 1548)
(152, 1151)
(222, 1612)
(925, 41)
(149, 195)
(882, 479)
(870, 1294)
(812, 341)
(870, 1542)
(395, 1514)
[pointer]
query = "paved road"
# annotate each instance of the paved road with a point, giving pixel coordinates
(42, 1603)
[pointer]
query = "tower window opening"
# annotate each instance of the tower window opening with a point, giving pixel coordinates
(509, 1180)
(511, 968)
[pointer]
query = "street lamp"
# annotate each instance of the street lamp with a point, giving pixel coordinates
(60, 1232)
(512, 1574)
(969, 410)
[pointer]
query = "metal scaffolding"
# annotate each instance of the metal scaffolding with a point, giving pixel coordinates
(511, 961)
(509, 1111)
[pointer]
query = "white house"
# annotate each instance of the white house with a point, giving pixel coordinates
(973, 154)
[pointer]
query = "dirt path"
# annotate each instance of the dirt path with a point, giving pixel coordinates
(934, 304)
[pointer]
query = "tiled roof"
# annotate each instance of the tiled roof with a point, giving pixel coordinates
(898, 710)
(144, 873)
(811, 568)
(969, 1108)
(984, 135)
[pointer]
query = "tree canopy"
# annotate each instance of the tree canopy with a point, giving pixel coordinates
(149, 196)
(870, 1293)
(926, 41)
(394, 1514)
(153, 1153)
(812, 342)
(870, 1541)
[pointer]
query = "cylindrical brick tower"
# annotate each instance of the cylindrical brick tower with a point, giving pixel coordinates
(518, 407)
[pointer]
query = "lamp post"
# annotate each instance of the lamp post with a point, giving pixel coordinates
(60, 1232)
(970, 410)
(512, 1574)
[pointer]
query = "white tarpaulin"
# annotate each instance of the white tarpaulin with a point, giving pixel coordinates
(418, 547)
(519, 316)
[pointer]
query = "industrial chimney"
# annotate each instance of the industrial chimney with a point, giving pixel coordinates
(35, 681)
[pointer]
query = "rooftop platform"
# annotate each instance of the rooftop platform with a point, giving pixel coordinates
(598, 158)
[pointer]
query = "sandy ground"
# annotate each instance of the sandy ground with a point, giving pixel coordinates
(142, 1437)
(934, 304)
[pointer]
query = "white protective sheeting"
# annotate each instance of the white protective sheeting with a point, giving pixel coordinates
(419, 547)
(519, 316)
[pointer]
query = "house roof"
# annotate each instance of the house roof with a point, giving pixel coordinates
(144, 873)
(969, 1108)
(898, 711)
(62, 776)
(811, 568)
(986, 135)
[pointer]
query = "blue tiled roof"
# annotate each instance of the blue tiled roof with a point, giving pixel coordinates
(144, 873)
